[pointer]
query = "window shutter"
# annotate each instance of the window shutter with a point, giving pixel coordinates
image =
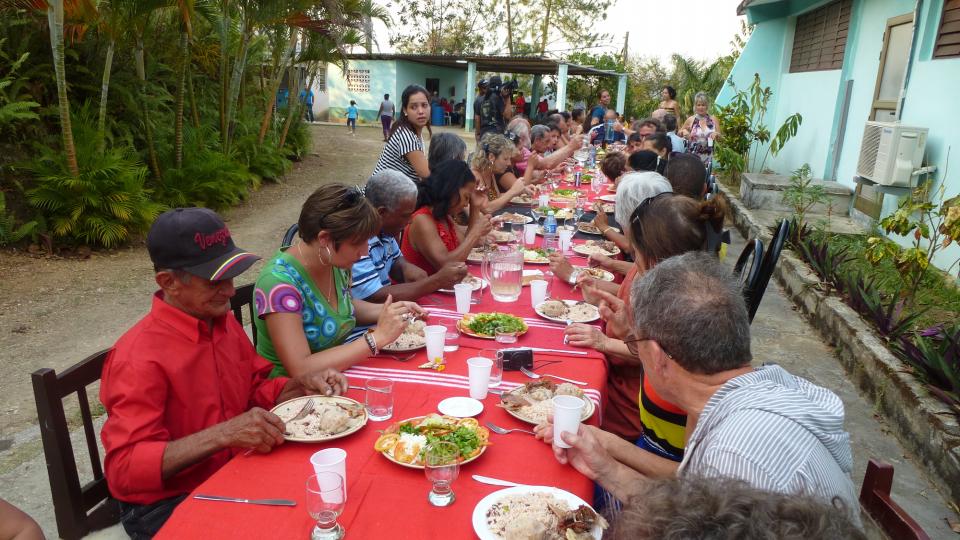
(948, 38)
(821, 37)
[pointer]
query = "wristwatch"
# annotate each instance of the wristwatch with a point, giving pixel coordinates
(371, 342)
(573, 276)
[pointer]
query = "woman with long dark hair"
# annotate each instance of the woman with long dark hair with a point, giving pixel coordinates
(404, 149)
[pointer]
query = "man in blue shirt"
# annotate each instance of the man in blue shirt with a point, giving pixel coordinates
(384, 271)
(306, 97)
(600, 109)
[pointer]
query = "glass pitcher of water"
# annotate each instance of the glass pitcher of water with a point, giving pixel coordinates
(503, 269)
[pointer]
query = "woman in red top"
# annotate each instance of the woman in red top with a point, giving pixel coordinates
(432, 239)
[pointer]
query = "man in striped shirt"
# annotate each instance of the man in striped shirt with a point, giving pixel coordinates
(771, 429)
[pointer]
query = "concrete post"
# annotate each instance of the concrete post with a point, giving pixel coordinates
(622, 93)
(471, 92)
(562, 87)
(535, 94)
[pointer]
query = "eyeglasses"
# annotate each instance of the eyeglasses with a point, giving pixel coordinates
(638, 340)
(513, 137)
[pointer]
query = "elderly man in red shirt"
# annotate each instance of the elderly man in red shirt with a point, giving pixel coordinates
(184, 388)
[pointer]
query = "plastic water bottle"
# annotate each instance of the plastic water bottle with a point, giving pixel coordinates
(550, 225)
(593, 156)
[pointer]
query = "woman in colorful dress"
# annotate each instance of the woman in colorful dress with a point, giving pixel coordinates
(432, 238)
(701, 129)
(302, 297)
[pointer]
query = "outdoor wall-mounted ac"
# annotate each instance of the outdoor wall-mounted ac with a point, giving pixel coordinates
(890, 152)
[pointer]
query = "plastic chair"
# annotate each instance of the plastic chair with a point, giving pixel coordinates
(876, 502)
(243, 298)
(767, 267)
(79, 508)
(288, 236)
(747, 269)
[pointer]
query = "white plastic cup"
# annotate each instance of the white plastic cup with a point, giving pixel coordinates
(435, 335)
(566, 417)
(331, 460)
(538, 292)
(565, 236)
(530, 233)
(479, 372)
(544, 200)
(463, 291)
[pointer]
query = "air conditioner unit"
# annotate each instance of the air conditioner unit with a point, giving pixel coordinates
(890, 152)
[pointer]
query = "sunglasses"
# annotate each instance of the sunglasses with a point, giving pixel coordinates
(353, 197)
(637, 216)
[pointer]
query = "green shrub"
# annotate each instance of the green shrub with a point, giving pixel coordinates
(298, 143)
(10, 230)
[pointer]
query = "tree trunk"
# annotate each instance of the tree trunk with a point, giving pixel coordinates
(180, 99)
(275, 86)
(293, 80)
(224, 89)
(145, 111)
(104, 90)
(194, 111)
(236, 81)
(546, 28)
(509, 29)
(55, 20)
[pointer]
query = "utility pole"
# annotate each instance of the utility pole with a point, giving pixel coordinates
(626, 44)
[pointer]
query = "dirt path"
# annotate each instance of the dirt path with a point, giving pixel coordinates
(55, 312)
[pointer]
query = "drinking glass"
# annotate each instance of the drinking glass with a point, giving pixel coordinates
(517, 229)
(325, 501)
(441, 464)
(502, 335)
(451, 341)
(379, 398)
(550, 243)
(496, 370)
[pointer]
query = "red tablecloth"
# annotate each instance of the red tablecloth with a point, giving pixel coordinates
(385, 500)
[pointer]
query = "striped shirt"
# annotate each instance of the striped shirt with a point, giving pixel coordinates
(777, 432)
(394, 155)
(372, 272)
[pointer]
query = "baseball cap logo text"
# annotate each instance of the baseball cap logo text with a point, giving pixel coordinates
(206, 240)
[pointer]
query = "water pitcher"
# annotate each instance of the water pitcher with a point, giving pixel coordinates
(503, 269)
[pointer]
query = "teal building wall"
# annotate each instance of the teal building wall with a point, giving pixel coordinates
(930, 93)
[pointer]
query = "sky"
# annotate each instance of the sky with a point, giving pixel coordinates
(649, 36)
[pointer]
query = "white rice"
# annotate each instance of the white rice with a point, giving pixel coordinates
(526, 517)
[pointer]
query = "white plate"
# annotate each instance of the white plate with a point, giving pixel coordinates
(585, 250)
(532, 274)
(608, 198)
(461, 407)
(480, 511)
(525, 219)
(561, 319)
(483, 285)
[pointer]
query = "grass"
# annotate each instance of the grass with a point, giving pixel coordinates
(937, 295)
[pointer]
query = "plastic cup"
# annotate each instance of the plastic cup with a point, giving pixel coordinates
(566, 417)
(331, 460)
(479, 373)
(463, 292)
(544, 200)
(530, 233)
(435, 336)
(565, 237)
(538, 292)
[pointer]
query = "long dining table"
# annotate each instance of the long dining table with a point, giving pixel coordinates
(384, 499)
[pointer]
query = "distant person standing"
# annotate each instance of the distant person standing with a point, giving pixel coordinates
(386, 113)
(352, 114)
(477, 102)
(542, 108)
(600, 109)
(521, 104)
(306, 97)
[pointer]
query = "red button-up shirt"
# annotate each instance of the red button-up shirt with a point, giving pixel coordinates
(169, 377)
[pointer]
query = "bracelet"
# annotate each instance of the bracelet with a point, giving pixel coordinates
(573, 276)
(605, 231)
(371, 342)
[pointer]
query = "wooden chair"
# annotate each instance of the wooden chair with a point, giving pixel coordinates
(747, 270)
(876, 502)
(79, 509)
(289, 236)
(770, 258)
(243, 298)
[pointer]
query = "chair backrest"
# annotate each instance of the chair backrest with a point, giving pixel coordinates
(747, 269)
(289, 236)
(770, 258)
(876, 502)
(243, 298)
(79, 509)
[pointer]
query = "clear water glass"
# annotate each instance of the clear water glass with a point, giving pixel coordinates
(326, 499)
(496, 370)
(379, 398)
(441, 464)
(451, 341)
(517, 229)
(504, 336)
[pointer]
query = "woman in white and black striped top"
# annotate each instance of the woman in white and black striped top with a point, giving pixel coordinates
(404, 149)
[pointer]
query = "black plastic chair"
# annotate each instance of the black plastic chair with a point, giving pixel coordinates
(79, 508)
(770, 258)
(747, 269)
(289, 236)
(243, 298)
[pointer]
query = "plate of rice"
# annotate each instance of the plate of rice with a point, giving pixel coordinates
(411, 339)
(523, 512)
(475, 284)
(563, 311)
(533, 401)
(332, 417)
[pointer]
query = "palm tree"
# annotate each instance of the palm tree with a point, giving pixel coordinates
(692, 76)
(370, 10)
(55, 20)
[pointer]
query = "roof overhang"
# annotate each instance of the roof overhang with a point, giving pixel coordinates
(532, 65)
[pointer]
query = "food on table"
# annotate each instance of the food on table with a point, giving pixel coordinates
(487, 324)
(411, 338)
(476, 254)
(536, 256)
(603, 247)
(523, 199)
(532, 402)
(502, 236)
(564, 194)
(406, 440)
(607, 208)
(328, 418)
(559, 213)
(568, 310)
(510, 217)
(531, 275)
(598, 273)
(541, 516)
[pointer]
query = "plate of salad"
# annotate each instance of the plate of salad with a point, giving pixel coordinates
(536, 256)
(485, 325)
(404, 442)
(564, 194)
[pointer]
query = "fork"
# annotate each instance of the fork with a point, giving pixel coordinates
(395, 357)
(533, 375)
(503, 431)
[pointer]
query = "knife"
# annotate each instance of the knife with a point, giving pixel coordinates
(495, 482)
(267, 502)
(558, 351)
